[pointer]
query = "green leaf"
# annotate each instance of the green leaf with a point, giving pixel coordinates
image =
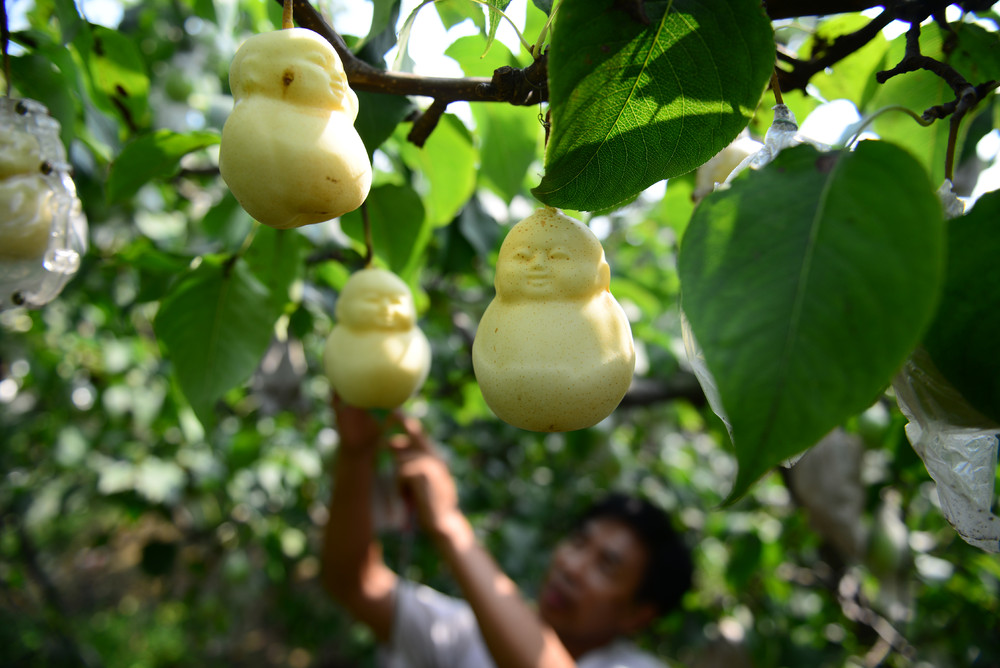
(807, 284)
(974, 55)
(400, 230)
(962, 341)
(227, 222)
(384, 17)
(510, 142)
(36, 78)
(215, 324)
(275, 258)
(118, 75)
(153, 156)
(468, 53)
(457, 11)
(156, 269)
(495, 9)
(634, 104)
(849, 78)
(447, 163)
(378, 116)
(403, 62)
(509, 135)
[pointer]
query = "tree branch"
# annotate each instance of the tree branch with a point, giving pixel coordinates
(824, 55)
(787, 9)
(521, 87)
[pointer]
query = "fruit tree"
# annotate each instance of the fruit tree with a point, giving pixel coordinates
(773, 227)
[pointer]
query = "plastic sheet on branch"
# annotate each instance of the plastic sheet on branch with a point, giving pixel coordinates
(827, 482)
(43, 232)
(783, 133)
(958, 446)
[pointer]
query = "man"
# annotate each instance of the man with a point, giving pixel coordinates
(621, 568)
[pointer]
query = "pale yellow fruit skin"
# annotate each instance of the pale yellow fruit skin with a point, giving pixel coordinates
(554, 349)
(26, 213)
(720, 166)
(376, 356)
(19, 153)
(289, 152)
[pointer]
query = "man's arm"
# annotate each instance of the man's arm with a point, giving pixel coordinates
(514, 634)
(353, 569)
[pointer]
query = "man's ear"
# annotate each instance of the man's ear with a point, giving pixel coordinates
(638, 618)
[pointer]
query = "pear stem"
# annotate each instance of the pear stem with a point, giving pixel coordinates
(369, 245)
(286, 15)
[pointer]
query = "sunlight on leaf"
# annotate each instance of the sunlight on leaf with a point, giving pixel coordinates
(633, 104)
(807, 284)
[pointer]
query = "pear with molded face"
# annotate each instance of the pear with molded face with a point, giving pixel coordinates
(376, 356)
(26, 208)
(554, 350)
(289, 151)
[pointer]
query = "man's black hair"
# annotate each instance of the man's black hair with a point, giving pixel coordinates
(669, 570)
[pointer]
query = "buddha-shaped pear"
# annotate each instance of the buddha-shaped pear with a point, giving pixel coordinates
(26, 207)
(376, 356)
(289, 152)
(554, 350)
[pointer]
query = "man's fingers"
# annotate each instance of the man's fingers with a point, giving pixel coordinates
(398, 443)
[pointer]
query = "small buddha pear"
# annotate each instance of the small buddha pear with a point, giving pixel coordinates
(26, 208)
(26, 212)
(722, 164)
(376, 356)
(289, 151)
(20, 152)
(554, 350)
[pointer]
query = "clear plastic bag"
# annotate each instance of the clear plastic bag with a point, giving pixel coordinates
(35, 281)
(958, 446)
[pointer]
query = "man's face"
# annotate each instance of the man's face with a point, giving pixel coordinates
(588, 596)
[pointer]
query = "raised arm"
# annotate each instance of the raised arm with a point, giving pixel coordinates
(514, 634)
(353, 569)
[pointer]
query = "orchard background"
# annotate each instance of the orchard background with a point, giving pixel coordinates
(164, 422)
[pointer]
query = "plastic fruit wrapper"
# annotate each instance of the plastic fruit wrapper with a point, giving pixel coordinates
(554, 349)
(43, 231)
(958, 446)
(721, 165)
(376, 356)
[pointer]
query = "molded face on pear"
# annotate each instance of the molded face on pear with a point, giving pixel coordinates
(554, 350)
(19, 153)
(376, 356)
(290, 153)
(25, 197)
(296, 66)
(549, 256)
(376, 300)
(25, 217)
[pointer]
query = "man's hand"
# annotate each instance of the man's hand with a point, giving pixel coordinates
(425, 480)
(357, 427)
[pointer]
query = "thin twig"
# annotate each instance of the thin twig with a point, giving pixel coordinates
(776, 87)
(521, 87)
(364, 76)
(967, 96)
(826, 55)
(4, 40)
(367, 225)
